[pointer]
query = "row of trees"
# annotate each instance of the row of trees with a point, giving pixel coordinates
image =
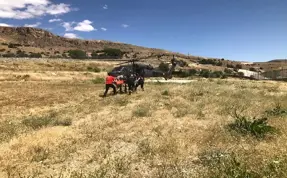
(100, 54)
(210, 61)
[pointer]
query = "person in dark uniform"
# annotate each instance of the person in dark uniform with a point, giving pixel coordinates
(131, 82)
(110, 84)
(140, 82)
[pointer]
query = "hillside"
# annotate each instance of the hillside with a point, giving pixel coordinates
(38, 40)
(27, 41)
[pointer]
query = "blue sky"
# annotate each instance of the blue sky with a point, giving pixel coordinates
(245, 30)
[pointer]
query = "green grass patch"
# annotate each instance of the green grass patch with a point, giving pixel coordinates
(141, 111)
(94, 69)
(45, 121)
(277, 111)
(98, 80)
(165, 93)
(257, 127)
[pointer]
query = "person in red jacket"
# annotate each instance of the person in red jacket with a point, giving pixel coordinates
(110, 84)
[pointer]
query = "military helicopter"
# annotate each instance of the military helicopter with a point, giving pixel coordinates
(146, 70)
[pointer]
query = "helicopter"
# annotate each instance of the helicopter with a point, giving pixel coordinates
(146, 70)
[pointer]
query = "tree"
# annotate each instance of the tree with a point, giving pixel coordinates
(77, 54)
(204, 73)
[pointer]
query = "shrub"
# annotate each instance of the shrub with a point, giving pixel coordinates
(277, 111)
(230, 66)
(12, 45)
(252, 69)
(2, 50)
(226, 165)
(216, 74)
(107, 52)
(22, 54)
(204, 73)
(45, 121)
(77, 54)
(141, 111)
(255, 127)
(227, 71)
(7, 130)
(64, 55)
(238, 66)
(240, 74)
(38, 122)
(98, 80)
(95, 69)
(35, 55)
(9, 55)
(165, 93)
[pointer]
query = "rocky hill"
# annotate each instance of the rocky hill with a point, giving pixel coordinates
(33, 42)
(44, 41)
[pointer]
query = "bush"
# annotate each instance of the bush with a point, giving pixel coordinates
(8, 130)
(141, 111)
(165, 93)
(163, 67)
(238, 66)
(77, 54)
(252, 69)
(216, 74)
(277, 111)
(210, 61)
(9, 55)
(226, 165)
(45, 121)
(228, 71)
(12, 45)
(95, 69)
(230, 66)
(22, 54)
(2, 50)
(64, 55)
(35, 55)
(240, 74)
(107, 52)
(255, 127)
(204, 73)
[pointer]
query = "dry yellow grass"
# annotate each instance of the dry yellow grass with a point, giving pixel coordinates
(169, 130)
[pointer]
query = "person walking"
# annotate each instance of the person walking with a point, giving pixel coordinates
(110, 84)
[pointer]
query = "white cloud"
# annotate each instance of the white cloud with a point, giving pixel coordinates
(5, 25)
(70, 35)
(68, 26)
(105, 7)
(85, 26)
(32, 25)
(125, 25)
(104, 29)
(55, 20)
(27, 9)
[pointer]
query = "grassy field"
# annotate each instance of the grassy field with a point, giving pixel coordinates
(208, 128)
